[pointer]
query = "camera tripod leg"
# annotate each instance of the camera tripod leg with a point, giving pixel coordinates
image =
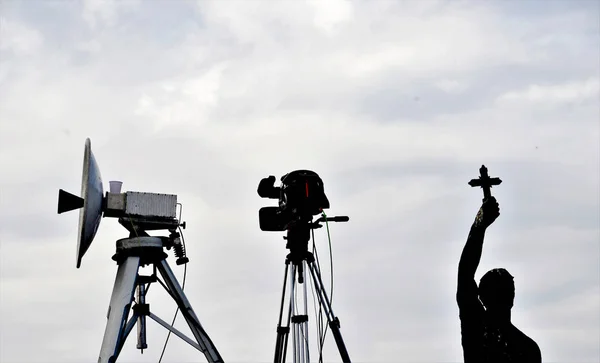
(206, 345)
(118, 311)
(299, 322)
(334, 322)
(283, 331)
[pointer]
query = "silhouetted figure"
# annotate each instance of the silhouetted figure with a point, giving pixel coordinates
(487, 332)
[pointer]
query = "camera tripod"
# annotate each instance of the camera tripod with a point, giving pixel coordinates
(299, 258)
(133, 253)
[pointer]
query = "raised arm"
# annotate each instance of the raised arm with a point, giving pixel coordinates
(471, 254)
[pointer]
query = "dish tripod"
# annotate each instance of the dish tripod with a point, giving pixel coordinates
(299, 257)
(132, 253)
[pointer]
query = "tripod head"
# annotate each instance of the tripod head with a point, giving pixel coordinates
(298, 235)
(137, 228)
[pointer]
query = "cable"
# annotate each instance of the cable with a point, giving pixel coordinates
(182, 289)
(312, 290)
(322, 340)
(330, 258)
(320, 332)
(319, 319)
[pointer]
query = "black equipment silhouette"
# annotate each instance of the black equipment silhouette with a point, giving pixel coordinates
(299, 257)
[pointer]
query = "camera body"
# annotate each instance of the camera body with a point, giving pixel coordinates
(300, 196)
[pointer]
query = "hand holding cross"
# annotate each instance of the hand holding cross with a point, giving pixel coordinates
(485, 182)
(489, 210)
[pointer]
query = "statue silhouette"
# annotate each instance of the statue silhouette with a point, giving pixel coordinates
(487, 332)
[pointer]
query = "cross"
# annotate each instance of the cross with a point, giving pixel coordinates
(485, 182)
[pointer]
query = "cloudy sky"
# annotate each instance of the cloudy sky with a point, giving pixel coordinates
(395, 104)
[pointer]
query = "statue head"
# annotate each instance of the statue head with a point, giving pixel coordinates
(497, 290)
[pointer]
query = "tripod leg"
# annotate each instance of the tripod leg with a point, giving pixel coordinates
(282, 331)
(300, 321)
(291, 314)
(120, 304)
(334, 322)
(292, 277)
(208, 348)
(304, 325)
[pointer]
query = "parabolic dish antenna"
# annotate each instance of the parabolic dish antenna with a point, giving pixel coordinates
(92, 192)
(91, 201)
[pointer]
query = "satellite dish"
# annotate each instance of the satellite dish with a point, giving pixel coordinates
(92, 193)
(91, 200)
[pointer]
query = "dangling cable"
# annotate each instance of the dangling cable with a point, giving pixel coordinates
(330, 258)
(312, 289)
(320, 331)
(322, 342)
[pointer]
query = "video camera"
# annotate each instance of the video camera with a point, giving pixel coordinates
(301, 196)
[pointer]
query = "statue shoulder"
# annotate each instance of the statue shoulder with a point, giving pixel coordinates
(529, 347)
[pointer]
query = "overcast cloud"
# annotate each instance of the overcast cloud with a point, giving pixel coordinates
(395, 104)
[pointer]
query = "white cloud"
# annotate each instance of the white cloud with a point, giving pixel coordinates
(106, 12)
(18, 37)
(330, 15)
(579, 91)
(451, 86)
(181, 101)
(92, 46)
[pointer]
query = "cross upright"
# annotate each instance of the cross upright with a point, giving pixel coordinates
(485, 182)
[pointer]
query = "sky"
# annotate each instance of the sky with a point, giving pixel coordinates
(395, 104)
